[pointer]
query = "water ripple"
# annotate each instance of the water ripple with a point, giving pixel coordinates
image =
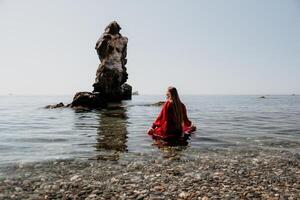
(29, 132)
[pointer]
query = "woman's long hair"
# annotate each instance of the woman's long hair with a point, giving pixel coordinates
(177, 106)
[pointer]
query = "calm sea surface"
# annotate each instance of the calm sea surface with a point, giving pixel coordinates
(28, 132)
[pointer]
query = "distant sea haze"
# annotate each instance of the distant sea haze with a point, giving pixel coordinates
(28, 132)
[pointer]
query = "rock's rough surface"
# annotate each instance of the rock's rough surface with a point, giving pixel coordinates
(126, 91)
(112, 73)
(88, 100)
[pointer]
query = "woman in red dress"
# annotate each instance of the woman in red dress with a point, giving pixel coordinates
(172, 122)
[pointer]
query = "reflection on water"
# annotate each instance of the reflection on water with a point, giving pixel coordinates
(112, 130)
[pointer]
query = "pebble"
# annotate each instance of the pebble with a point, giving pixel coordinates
(92, 195)
(184, 195)
(159, 188)
(18, 189)
(74, 178)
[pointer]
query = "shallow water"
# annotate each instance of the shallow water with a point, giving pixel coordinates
(28, 132)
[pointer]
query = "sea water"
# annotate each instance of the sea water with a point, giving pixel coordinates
(29, 132)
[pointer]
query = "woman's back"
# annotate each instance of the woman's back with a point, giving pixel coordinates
(172, 121)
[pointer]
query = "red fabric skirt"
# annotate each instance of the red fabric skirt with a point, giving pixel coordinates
(160, 133)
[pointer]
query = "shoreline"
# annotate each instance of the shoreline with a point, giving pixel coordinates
(175, 174)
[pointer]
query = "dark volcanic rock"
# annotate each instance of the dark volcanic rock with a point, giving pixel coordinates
(59, 105)
(126, 91)
(88, 100)
(112, 73)
(135, 93)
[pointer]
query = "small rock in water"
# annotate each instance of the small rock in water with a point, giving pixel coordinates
(135, 93)
(59, 105)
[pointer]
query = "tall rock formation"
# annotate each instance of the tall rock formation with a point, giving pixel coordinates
(111, 76)
(112, 73)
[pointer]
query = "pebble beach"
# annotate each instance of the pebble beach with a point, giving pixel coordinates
(176, 174)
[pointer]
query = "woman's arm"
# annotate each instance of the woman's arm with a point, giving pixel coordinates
(161, 117)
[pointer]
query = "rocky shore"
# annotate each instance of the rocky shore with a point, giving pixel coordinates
(175, 174)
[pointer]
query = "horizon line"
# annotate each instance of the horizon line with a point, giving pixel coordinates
(162, 94)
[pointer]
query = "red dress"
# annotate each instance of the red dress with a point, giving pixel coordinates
(164, 126)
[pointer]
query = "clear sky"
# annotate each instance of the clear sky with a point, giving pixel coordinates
(201, 47)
